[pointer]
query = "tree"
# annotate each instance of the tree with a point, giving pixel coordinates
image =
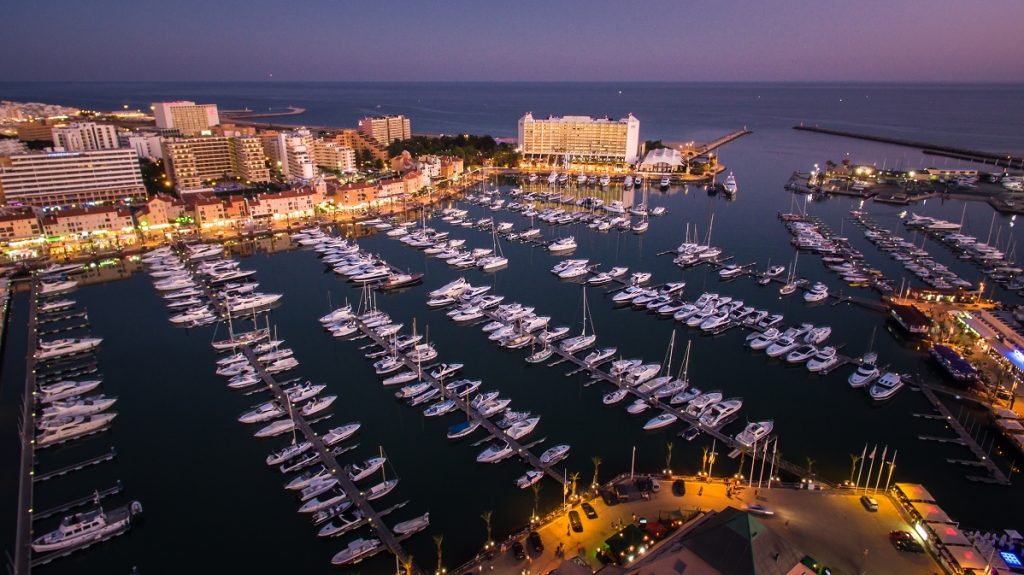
(810, 466)
(653, 145)
(573, 477)
(597, 464)
(704, 460)
(486, 516)
(536, 498)
(854, 459)
(438, 540)
(668, 457)
(407, 565)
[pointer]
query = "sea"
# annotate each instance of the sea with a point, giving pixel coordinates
(213, 505)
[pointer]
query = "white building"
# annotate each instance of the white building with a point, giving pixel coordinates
(334, 156)
(187, 118)
(145, 144)
(386, 129)
(85, 137)
(581, 138)
(663, 160)
(295, 150)
(47, 179)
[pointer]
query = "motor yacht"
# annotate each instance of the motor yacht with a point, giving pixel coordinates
(562, 245)
(554, 454)
(823, 360)
(495, 453)
(529, 478)
(782, 346)
(818, 292)
(801, 354)
(356, 551)
(76, 406)
(754, 431)
(886, 386)
(363, 470)
(659, 421)
(613, 397)
(638, 406)
(339, 434)
(81, 528)
(865, 374)
(817, 335)
(522, 428)
(53, 392)
(263, 412)
(716, 414)
(63, 347)
(699, 404)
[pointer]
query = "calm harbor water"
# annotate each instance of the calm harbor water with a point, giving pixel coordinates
(201, 476)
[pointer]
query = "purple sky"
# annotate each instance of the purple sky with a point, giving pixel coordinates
(865, 40)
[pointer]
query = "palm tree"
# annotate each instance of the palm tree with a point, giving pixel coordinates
(810, 466)
(668, 458)
(536, 498)
(597, 463)
(704, 460)
(854, 460)
(438, 539)
(407, 565)
(486, 516)
(572, 478)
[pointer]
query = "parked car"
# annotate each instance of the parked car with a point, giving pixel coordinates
(534, 539)
(679, 487)
(518, 550)
(869, 503)
(574, 521)
(908, 545)
(588, 510)
(895, 536)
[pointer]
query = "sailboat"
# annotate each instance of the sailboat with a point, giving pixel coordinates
(682, 380)
(584, 340)
(790, 286)
(653, 384)
(495, 261)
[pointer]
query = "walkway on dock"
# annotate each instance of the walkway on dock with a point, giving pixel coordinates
(726, 440)
(996, 475)
(382, 532)
(520, 449)
(714, 145)
(23, 539)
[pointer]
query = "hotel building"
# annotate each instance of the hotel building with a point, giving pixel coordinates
(334, 156)
(86, 137)
(192, 163)
(580, 138)
(47, 179)
(186, 118)
(386, 129)
(295, 153)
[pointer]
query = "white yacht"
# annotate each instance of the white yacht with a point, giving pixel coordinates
(53, 392)
(824, 359)
(817, 335)
(755, 431)
(529, 478)
(818, 292)
(78, 406)
(638, 406)
(495, 453)
(91, 525)
(521, 429)
(554, 454)
(562, 245)
(659, 421)
(886, 386)
(78, 427)
(613, 397)
(263, 412)
(730, 185)
(696, 406)
(717, 413)
(412, 526)
(53, 288)
(801, 354)
(782, 346)
(865, 374)
(67, 346)
(356, 551)
(758, 341)
(339, 434)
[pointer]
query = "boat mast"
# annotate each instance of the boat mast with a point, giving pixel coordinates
(684, 369)
(671, 347)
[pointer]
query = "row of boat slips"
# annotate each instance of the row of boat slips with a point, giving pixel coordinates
(813, 236)
(249, 359)
(182, 279)
(424, 384)
(66, 413)
(589, 210)
(913, 257)
(997, 263)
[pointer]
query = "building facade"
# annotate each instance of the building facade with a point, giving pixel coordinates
(386, 129)
(146, 145)
(19, 224)
(193, 164)
(47, 179)
(86, 137)
(185, 117)
(89, 220)
(333, 156)
(580, 139)
(295, 152)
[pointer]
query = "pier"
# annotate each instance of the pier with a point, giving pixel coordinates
(491, 428)
(23, 539)
(1003, 160)
(76, 466)
(714, 145)
(327, 457)
(965, 439)
(92, 497)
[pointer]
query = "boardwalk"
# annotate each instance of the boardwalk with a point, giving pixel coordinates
(495, 431)
(714, 145)
(996, 475)
(23, 540)
(382, 532)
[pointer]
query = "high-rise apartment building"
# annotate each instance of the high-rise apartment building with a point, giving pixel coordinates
(192, 164)
(582, 138)
(86, 137)
(295, 152)
(187, 118)
(48, 179)
(386, 129)
(333, 156)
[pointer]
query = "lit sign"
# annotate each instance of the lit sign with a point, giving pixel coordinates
(1011, 559)
(63, 154)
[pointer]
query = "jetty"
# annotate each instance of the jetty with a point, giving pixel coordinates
(997, 159)
(23, 538)
(709, 147)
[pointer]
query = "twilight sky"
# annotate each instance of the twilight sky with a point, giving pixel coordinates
(567, 40)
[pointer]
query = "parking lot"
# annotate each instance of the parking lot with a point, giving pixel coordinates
(833, 527)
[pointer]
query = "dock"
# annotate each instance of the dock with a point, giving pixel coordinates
(714, 145)
(964, 438)
(23, 539)
(76, 466)
(1004, 160)
(462, 404)
(327, 457)
(92, 497)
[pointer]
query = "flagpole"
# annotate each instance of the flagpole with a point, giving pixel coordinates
(891, 465)
(881, 464)
(753, 462)
(863, 455)
(764, 459)
(632, 464)
(871, 465)
(775, 449)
